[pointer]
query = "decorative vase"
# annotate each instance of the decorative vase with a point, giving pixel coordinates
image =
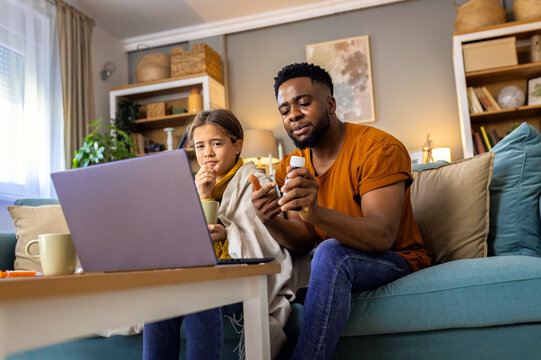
(169, 132)
(195, 101)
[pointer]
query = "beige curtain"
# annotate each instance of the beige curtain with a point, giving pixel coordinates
(75, 37)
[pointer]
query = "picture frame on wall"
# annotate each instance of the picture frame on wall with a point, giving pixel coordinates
(534, 91)
(349, 64)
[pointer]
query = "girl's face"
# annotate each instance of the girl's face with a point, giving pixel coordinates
(213, 148)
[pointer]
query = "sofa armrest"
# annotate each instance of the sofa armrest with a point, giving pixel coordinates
(7, 250)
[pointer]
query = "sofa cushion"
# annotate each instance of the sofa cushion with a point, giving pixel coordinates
(36, 202)
(7, 250)
(428, 165)
(515, 227)
(451, 206)
(467, 293)
(30, 221)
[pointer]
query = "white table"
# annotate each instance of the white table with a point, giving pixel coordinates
(39, 311)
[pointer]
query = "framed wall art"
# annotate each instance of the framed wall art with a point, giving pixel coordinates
(348, 63)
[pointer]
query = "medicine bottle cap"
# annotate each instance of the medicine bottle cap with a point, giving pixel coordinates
(297, 161)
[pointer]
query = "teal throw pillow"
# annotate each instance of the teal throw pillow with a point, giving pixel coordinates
(433, 165)
(515, 224)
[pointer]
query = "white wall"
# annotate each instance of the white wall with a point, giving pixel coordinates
(106, 47)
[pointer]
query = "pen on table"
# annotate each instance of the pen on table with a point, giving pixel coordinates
(17, 273)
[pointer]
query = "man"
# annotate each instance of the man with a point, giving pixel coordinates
(355, 206)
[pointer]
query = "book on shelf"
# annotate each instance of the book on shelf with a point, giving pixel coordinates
(183, 139)
(474, 101)
(491, 98)
(140, 141)
(485, 101)
(475, 150)
(478, 143)
(495, 136)
(485, 138)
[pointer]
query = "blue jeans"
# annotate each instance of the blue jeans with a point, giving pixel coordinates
(336, 272)
(204, 335)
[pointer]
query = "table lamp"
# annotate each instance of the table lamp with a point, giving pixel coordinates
(442, 153)
(260, 147)
(432, 154)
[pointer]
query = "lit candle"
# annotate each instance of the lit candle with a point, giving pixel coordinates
(280, 151)
(270, 164)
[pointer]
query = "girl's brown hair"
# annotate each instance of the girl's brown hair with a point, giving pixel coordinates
(222, 118)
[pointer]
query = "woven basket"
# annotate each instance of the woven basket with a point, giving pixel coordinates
(155, 110)
(526, 9)
(201, 59)
(155, 66)
(479, 13)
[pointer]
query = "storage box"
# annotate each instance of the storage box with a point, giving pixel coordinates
(201, 59)
(490, 54)
(155, 110)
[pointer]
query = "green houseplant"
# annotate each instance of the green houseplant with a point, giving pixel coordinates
(104, 143)
(127, 113)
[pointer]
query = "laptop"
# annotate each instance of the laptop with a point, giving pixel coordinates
(137, 214)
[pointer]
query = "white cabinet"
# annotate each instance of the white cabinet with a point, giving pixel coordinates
(174, 92)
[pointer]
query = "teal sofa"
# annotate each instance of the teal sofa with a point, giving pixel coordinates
(481, 308)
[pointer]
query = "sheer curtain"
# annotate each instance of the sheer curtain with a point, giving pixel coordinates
(31, 119)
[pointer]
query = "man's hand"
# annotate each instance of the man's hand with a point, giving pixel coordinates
(217, 232)
(265, 201)
(292, 233)
(300, 192)
(205, 179)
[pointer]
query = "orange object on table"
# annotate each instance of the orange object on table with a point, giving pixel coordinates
(17, 273)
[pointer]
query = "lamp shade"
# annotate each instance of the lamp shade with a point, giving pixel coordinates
(257, 145)
(443, 153)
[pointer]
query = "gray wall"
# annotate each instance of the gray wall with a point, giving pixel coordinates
(411, 51)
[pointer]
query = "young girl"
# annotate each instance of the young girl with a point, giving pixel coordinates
(223, 176)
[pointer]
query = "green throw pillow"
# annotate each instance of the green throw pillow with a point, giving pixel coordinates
(515, 225)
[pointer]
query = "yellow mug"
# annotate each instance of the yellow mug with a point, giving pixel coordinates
(210, 208)
(56, 252)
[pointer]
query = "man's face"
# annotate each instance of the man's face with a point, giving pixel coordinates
(305, 110)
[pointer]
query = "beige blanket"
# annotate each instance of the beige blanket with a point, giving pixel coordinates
(248, 237)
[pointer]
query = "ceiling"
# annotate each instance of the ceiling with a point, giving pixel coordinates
(170, 21)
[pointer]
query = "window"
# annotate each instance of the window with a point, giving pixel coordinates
(11, 103)
(31, 123)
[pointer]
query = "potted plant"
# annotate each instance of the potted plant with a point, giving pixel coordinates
(104, 143)
(127, 113)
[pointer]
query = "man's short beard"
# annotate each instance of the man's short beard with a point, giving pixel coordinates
(317, 133)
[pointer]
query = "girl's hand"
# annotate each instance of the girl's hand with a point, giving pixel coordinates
(217, 232)
(205, 179)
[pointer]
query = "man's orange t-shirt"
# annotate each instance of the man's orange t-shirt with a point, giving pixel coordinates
(369, 159)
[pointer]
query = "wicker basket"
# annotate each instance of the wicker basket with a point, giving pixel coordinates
(155, 66)
(526, 9)
(479, 13)
(155, 110)
(201, 59)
